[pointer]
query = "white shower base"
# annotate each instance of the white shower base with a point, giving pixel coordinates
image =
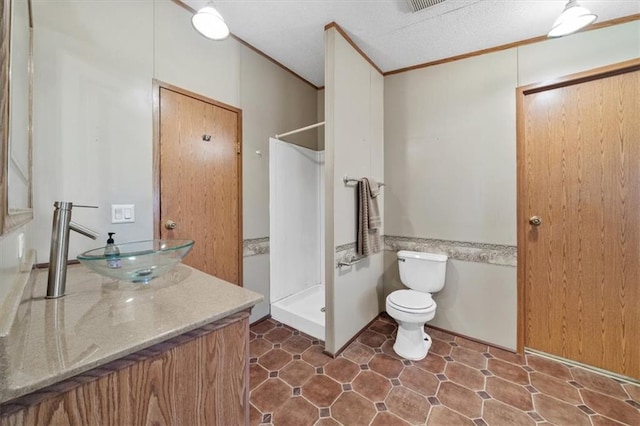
(303, 311)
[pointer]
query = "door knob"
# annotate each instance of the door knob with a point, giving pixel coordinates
(535, 220)
(170, 225)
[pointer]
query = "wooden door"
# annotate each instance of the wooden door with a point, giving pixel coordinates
(199, 179)
(579, 172)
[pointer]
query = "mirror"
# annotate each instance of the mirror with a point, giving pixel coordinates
(16, 52)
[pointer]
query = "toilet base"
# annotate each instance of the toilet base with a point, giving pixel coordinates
(411, 341)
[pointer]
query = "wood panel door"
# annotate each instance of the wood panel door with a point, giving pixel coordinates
(199, 179)
(579, 172)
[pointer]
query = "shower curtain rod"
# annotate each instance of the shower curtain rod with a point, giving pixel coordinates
(302, 129)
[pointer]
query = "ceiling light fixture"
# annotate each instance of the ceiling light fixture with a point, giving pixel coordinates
(573, 18)
(208, 22)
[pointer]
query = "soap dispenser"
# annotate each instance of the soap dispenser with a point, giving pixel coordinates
(112, 253)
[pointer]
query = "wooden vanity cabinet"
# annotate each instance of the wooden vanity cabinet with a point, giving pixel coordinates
(198, 378)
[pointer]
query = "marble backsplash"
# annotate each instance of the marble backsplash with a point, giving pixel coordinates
(495, 254)
(255, 246)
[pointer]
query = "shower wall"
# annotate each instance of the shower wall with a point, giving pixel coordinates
(354, 117)
(296, 209)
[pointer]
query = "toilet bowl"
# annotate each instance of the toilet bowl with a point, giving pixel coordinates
(423, 274)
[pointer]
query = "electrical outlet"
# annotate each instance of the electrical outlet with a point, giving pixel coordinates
(123, 213)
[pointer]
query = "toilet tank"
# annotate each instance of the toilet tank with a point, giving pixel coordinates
(422, 271)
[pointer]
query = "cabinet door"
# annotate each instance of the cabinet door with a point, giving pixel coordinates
(200, 378)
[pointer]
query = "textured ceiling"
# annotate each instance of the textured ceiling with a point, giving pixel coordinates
(292, 31)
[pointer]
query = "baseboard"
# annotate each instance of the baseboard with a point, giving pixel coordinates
(473, 339)
(339, 351)
(571, 363)
(264, 318)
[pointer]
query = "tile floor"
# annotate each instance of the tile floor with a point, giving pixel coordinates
(461, 382)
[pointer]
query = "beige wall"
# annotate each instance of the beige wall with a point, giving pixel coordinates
(353, 146)
(93, 113)
(580, 52)
(185, 59)
(449, 151)
(320, 103)
(273, 101)
(450, 164)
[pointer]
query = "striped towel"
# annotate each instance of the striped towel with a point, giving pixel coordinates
(369, 221)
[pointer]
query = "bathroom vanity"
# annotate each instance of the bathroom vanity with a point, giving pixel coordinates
(174, 351)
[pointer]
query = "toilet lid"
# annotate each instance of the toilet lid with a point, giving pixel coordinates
(411, 300)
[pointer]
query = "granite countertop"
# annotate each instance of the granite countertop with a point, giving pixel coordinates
(100, 320)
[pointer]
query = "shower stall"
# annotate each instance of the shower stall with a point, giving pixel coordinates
(296, 235)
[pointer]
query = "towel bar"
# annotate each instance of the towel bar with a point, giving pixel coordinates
(351, 262)
(347, 180)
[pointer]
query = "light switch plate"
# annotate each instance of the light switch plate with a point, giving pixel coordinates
(123, 213)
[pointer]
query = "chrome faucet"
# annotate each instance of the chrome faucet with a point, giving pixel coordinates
(59, 253)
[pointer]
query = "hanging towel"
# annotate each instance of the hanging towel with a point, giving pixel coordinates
(369, 221)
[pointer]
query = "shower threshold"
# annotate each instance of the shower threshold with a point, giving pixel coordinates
(303, 310)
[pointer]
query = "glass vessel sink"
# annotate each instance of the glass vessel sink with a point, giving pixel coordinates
(139, 261)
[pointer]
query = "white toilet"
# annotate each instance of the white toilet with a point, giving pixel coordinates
(424, 274)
